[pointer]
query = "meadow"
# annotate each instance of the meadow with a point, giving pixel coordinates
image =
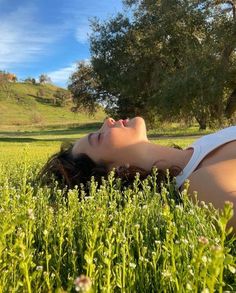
(137, 240)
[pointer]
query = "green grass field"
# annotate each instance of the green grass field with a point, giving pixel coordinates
(138, 240)
(26, 109)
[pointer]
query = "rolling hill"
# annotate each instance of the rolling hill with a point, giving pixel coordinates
(31, 106)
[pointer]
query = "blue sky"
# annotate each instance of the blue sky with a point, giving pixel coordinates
(50, 37)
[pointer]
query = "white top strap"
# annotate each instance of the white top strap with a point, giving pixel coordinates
(202, 147)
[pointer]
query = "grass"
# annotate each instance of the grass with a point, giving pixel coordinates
(138, 240)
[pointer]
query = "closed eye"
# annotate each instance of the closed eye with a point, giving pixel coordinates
(99, 136)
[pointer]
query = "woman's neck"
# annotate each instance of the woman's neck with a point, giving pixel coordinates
(164, 157)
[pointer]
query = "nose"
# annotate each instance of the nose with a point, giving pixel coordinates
(109, 122)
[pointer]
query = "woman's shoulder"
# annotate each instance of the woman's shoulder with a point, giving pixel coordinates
(215, 184)
(215, 180)
(222, 174)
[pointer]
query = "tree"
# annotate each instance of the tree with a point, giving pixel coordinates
(5, 85)
(118, 69)
(171, 59)
(86, 89)
(30, 80)
(44, 78)
(62, 97)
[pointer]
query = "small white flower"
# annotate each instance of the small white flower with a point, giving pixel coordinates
(217, 240)
(166, 274)
(184, 240)
(179, 207)
(141, 258)
(45, 232)
(132, 265)
(203, 240)
(205, 290)
(83, 284)
(39, 268)
(189, 287)
(31, 214)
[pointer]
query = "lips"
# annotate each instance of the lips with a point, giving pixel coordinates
(125, 122)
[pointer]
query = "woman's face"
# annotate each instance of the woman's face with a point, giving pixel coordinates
(115, 143)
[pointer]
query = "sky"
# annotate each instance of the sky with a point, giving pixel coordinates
(48, 36)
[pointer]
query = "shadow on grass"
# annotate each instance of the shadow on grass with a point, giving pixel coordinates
(28, 139)
(45, 101)
(180, 135)
(26, 136)
(73, 129)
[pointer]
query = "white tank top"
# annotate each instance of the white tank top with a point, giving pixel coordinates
(202, 147)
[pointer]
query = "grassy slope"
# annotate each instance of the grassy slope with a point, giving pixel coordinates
(24, 109)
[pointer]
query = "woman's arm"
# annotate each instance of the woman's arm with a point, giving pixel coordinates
(216, 184)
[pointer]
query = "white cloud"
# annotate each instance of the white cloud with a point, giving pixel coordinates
(61, 76)
(82, 33)
(23, 40)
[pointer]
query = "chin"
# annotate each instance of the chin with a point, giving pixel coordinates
(140, 125)
(139, 120)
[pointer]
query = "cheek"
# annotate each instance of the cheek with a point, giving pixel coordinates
(114, 139)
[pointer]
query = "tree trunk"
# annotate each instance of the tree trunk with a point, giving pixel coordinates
(202, 121)
(231, 105)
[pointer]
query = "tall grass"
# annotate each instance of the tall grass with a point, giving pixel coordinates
(137, 240)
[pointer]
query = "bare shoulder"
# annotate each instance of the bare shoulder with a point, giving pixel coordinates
(221, 175)
(216, 184)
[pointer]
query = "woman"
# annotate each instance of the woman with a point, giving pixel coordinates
(209, 163)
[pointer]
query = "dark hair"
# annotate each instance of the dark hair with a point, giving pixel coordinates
(69, 171)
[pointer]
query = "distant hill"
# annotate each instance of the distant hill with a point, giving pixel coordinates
(32, 105)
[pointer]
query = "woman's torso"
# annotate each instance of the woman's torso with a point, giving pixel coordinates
(214, 178)
(208, 151)
(221, 164)
(224, 152)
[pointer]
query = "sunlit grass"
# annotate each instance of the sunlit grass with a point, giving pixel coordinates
(138, 240)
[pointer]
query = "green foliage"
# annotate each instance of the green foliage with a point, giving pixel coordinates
(62, 97)
(86, 89)
(5, 86)
(30, 80)
(171, 59)
(147, 239)
(135, 241)
(44, 78)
